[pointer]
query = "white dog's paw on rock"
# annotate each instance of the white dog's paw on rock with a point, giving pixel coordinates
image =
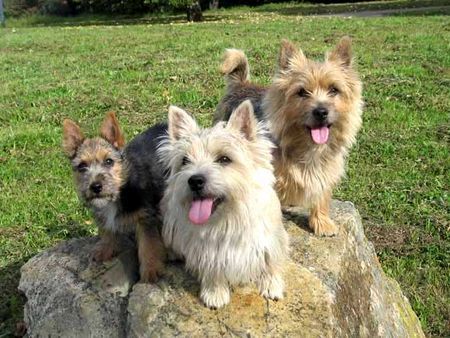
(215, 297)
(272, 287)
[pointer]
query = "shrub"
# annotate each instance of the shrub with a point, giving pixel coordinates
(57, 7)
(20, 7)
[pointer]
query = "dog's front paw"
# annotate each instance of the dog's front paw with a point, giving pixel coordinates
(215, 297)
(150, 273)
(103, 252)
(272, 287)
(323, 226)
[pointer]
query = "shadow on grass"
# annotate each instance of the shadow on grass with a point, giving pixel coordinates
(425, 12)
(369, 9)
(368, 13)
(92, 20)
(11, 299)
(303, 10)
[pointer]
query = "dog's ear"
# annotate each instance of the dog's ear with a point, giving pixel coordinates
(110, 131)
(290, 55)
(181, 124)
(72, 137)
(342, 53)
(243, 119)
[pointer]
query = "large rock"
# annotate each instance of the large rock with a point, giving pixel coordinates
(334, 287)
(69, 296)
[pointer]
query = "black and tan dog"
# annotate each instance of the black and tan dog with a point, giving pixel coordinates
(122, 186)
(313, 110)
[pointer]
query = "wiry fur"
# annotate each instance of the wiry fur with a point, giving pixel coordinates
(235, 65)
(131, 184)
(244, 240)
(306, 172)
(239, 88)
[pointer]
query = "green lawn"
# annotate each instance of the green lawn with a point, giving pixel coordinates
(398, 174)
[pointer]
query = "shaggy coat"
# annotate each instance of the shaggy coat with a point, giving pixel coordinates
(243, 240)
(313, 110)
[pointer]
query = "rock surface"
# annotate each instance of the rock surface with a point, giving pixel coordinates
(334, 287)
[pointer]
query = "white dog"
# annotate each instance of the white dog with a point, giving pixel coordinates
(221, 213)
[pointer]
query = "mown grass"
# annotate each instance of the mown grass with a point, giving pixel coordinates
(397, 173)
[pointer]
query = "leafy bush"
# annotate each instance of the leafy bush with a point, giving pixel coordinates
(72, 7)
(20, 7)
(113, 6)
(180, 3)
(57, 7)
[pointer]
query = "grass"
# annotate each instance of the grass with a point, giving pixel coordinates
(397, 173)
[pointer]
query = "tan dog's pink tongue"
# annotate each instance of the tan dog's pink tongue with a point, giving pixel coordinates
(320, 135)
(200, 211)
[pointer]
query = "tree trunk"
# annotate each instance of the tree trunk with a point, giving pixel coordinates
(214, 4)
(194, 12)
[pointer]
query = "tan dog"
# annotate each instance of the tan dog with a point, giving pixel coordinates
(314, 113)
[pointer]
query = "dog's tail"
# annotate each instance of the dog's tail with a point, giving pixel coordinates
(235, 67)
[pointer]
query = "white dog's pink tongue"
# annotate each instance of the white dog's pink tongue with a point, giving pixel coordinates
(320, 135)
(201, 211)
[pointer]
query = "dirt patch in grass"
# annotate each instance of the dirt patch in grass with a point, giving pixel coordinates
(398, 240)
(384, 237)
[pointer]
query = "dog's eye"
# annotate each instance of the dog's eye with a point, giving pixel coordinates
(333, 91)
(185, 160)
(82, 167)
(109, 162)
(223, 160)
(303, 92)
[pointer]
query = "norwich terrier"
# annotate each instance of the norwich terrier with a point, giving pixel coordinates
(123, 188)
(313, 110)
(221, 213)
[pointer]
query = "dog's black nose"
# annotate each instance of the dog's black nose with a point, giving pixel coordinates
(320, 113)
(197, 182)
(96, 187)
